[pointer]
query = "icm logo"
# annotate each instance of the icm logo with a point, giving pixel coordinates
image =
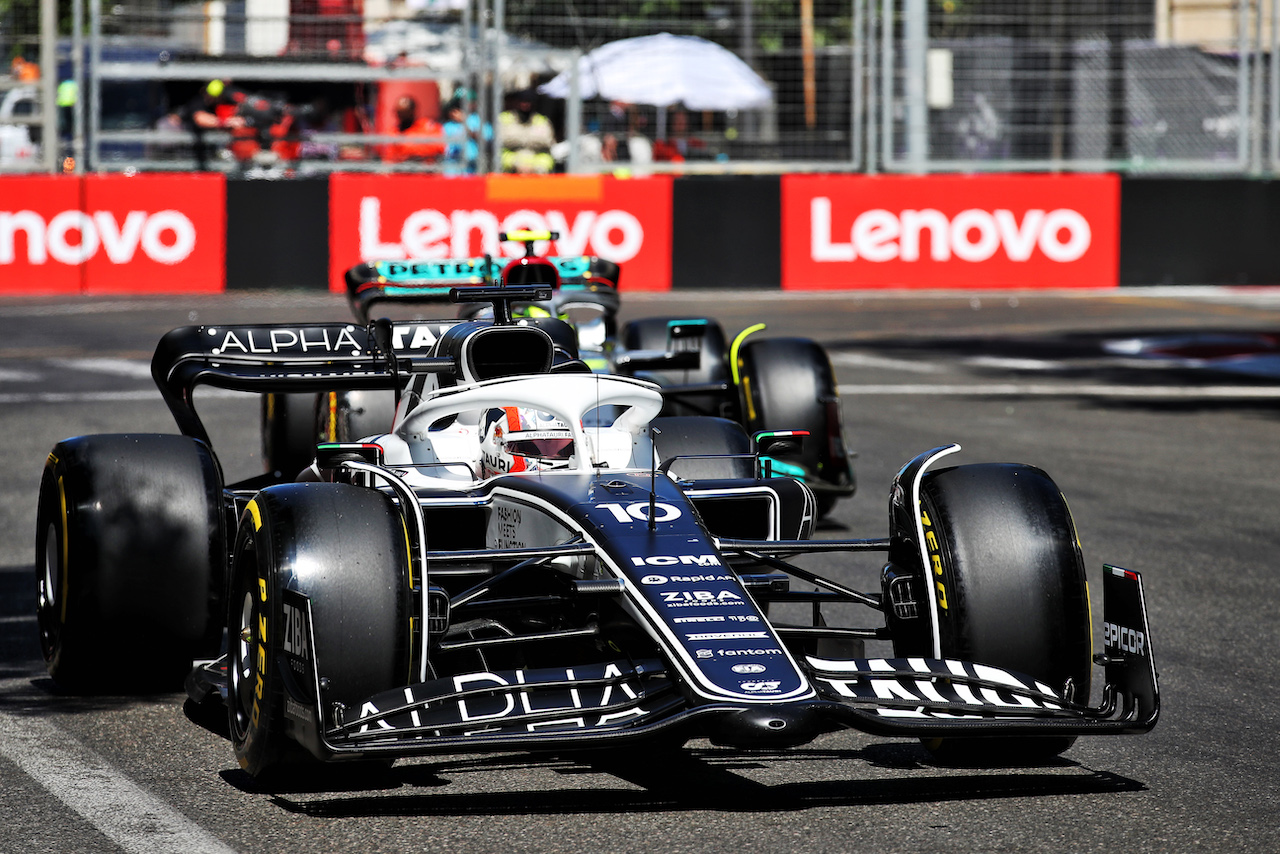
(428, 234)
(73, 237)
(748, 668)
(973, 235)
(676, 560)
(654, 579)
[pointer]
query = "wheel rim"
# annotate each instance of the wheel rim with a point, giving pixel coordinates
(49, 594)
(52, 569)
(241, 670)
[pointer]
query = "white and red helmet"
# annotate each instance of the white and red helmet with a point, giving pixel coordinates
(515, 439)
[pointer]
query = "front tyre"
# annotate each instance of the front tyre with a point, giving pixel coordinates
(1009, 583)
(130, 561)
(345, 548)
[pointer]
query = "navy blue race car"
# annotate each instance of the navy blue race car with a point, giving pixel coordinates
(531, 556)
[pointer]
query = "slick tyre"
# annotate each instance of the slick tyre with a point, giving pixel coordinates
(788, 384)
(344, 548)
(130, 561)
(289, 432)
(650, 333)
(1011, 592)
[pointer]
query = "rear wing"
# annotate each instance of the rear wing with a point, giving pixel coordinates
(425, 282)
(328, 356)
(290, 358)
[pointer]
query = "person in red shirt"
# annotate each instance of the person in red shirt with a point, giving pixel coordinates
(410, 126)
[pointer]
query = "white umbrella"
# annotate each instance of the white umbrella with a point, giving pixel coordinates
(665, 70)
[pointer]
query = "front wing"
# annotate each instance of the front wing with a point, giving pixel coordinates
(617, 702)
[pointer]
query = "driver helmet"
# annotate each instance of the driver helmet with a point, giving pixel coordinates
(516, 439)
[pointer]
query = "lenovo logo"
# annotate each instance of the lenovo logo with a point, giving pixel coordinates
(429, 233)
(974, 235)
(73, 237)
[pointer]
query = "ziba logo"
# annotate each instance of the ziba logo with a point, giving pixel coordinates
(73, 237)
(429, 234)
(974, 235)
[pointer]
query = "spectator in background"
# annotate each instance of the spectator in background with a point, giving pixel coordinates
(526, 138)
(408, 123)
(615, 132)
(463, 133)
(202, 113)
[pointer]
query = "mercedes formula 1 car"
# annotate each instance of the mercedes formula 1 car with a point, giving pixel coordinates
(763, 383)
(532, 557)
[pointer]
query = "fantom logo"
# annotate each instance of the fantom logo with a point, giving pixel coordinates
(430, 233)
(974, 235)
(73, 237)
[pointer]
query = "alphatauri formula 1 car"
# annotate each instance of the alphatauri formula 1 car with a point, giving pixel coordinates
(763, 383)
(531, 557)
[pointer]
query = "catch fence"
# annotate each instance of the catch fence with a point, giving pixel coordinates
(1139, 86)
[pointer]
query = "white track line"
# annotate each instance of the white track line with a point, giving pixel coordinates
(866, 360)
(1012, 364)
(1070, 390)
(139, 369)
(126, 814)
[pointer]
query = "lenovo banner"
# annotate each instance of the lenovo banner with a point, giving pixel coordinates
(424, 217)
(950, 231)
(112, 234)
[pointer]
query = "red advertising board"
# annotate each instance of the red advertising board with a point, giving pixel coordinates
(393, 217)
(112, 234)
(950, 231)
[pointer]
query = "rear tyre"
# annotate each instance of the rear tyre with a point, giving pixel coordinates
(130, 561)
(349, 416)
(1011, 592)
(788, 384)
(650, 333)
(344, 547)
(289, 432)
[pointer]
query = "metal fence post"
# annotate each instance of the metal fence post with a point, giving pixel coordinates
(915, 36)
(872, 115)
(1255, 110)
(50, 140)
(855, 89)
(886, 83)
(481, 55)
(1273, 125)
(573, 113)
(499, 23)
(1242, 84)
(77, 73)
(95, 85)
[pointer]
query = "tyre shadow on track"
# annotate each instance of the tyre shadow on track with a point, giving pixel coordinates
(695, 780)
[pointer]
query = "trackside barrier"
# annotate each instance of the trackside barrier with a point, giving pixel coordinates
(184, 233)
(950, 231)
(112, 234)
